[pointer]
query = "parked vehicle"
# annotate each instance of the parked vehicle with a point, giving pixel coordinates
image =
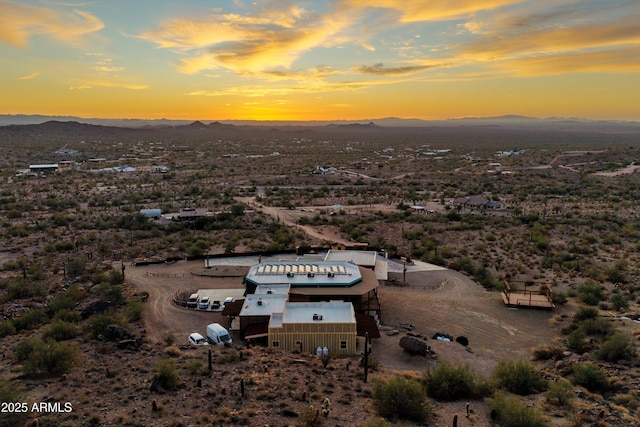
(226, 301)
(204, 303)
(215, 305)
(197, 339)
(217, 334)
(192, 302)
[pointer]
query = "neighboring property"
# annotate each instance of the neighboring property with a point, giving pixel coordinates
(476, 203)
(307, 326)
(151, 213)
(43, 168)
(190, 214)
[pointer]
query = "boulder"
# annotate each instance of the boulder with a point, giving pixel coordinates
(414, 345)
(117, 333)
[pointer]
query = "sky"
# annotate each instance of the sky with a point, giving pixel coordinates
(320, 60)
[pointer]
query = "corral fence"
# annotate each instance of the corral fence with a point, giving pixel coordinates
(181, 296)
(420, 287)
(170, 275)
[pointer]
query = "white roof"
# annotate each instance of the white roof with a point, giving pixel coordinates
(277, 289)
(319, 312)
(363, 258)
(263, 305)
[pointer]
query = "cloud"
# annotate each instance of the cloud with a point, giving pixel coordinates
(380, 70)
(622, 60)
(19, 22)
(29, 76)
(89, 84)
(430, 10)
(270, 39)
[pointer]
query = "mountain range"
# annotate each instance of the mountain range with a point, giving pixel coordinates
(507, 120)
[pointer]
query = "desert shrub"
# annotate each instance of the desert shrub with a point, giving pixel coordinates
(172, 351)
(618, 347)
(23, 288)
(167, 374)
(576, 341)
(590, 293)
(30, 319)
(585, 313)
(596, 326)
(194, 366)
(134, 311)
(61, 302)
(559, 298)
(310, 417)
(448, 382)
(24, 349)
(11, 393)
(232, 356)
(619, 301)
(546, 352)
(519, 377)
(512, 412)
(400, 398)
(61, 330)
(590, 376)
(50, 358)
(7, 328)
(68, 316)
(96, 324)
(559, 393)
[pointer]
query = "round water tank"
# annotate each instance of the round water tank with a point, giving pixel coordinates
(325, 351)
(319, 351)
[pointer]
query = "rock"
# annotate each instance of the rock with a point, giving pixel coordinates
(96, 307)
(463, 340)
(129, 343)
(393, 332)
(115, 332)
(414, 345)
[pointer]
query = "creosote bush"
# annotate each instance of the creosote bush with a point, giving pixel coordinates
(617, 347)
(590, 376)
(512, 412)
(448, 382)
(167, 374)
(50, 358)
(559, 393)
(400, 397)
(519, 377)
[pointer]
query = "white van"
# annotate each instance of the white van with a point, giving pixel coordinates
(216, 334)
(192, 302)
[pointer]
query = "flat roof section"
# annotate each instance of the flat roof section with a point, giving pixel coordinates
(305, 273)
(263, 305)
(319, 312)
(362, 258)
(277, 289)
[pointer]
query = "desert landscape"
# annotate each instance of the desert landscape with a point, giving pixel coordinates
(465, 210)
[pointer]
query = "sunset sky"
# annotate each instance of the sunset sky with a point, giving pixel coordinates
(320, 60)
